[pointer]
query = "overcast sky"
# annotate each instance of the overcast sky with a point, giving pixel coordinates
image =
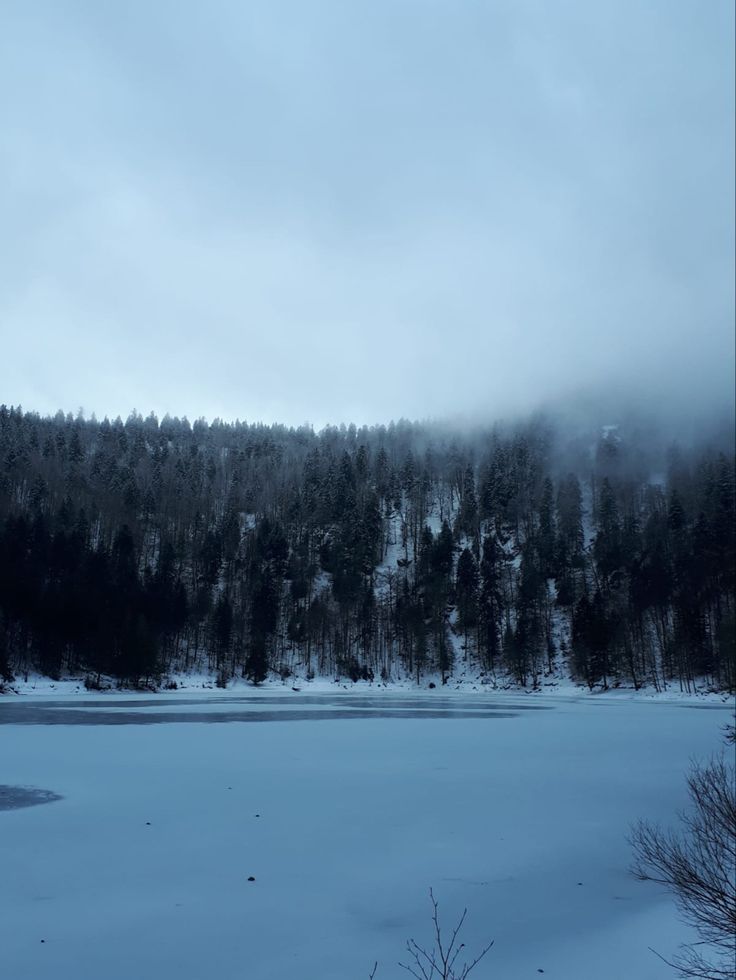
(297, 211)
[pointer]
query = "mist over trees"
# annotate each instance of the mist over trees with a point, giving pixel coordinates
(132, 549)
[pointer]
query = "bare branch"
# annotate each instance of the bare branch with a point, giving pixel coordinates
(698, 864)
(439, 962)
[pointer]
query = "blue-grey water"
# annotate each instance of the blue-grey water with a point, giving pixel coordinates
(157, 710)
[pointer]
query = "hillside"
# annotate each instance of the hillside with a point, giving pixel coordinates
(134, 549)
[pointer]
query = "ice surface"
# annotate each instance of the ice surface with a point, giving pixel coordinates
(141, 870)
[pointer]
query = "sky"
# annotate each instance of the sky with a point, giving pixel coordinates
(326, 211)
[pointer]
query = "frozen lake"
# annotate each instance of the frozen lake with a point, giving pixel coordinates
(345, 809)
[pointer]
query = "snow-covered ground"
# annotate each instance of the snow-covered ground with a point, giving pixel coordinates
(461, 683)
(345, 808)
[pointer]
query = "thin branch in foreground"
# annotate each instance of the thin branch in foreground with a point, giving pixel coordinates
(698, 864)
(439, 962)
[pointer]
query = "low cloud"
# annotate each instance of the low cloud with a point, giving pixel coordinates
(415, 211)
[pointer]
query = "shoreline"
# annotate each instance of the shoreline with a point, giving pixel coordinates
(204, 685)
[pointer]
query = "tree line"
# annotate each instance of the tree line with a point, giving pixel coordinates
(133, 549)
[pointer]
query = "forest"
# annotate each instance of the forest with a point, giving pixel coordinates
(515, 553)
